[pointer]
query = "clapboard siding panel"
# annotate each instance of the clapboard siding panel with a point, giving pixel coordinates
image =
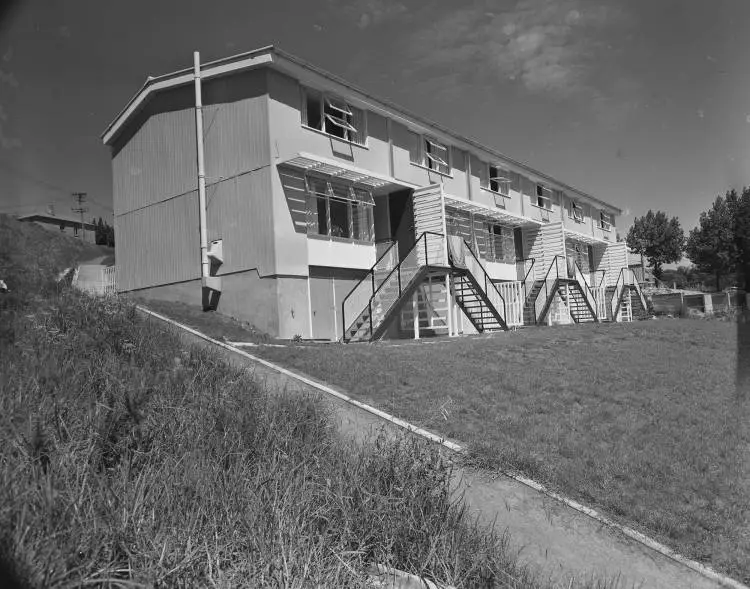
(159, 244)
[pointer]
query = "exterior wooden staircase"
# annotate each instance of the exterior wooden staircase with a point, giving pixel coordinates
(627, 300)
(473, 301)
(572, 295)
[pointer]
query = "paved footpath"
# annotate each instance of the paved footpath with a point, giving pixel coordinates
(560, 541)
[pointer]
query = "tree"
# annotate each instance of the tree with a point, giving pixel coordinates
(742, 237)
(712, 246)
(659, 239)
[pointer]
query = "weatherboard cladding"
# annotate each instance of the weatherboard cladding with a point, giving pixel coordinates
(158, 244)
(235, 125)
(157, 163)
(240, 212)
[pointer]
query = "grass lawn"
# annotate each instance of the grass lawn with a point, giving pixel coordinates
(641, 420)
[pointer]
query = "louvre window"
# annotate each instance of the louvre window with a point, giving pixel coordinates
(576, 212)
(333, 116)
(436, 156)
(605, 221)
(497, 180)
(543, 199)
(339, 210)
(500, 244)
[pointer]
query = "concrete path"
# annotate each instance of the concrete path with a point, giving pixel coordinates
(556, 539)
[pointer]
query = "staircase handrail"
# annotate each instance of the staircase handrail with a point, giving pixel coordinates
(487, 285)
(637, 286)
(587, 292)
(370, 278)
(617, 294)
(601, 280)
(546, 288)
(525, 280)
(397, 269)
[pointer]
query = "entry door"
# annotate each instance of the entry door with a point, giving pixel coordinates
(402, 221)
(322, 305)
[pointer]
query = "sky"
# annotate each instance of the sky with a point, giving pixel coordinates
(642, 103)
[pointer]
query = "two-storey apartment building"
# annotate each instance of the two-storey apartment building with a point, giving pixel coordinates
(332, 214)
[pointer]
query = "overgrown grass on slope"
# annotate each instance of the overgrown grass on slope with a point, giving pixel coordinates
(127, 460)
(31, 255)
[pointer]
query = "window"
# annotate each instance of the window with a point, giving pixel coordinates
(605, 221)
(496, 179)
(339, 210)
(62, 226)
(543, 199)
(333, 116)
(75, 230)
(429, 153)
(576, 212)
(436, 156)
(501, 245)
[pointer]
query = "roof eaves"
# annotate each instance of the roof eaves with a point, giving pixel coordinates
(107, 136)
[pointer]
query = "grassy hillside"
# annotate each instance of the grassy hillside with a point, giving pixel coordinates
(31, 255)
(128, 461)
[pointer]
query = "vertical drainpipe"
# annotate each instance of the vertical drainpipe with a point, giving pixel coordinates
(201, 170)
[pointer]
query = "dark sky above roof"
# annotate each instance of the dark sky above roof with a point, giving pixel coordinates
(643, 104)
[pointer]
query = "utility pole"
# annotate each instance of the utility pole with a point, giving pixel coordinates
(80, 198)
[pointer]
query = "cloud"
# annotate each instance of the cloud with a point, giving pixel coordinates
(556, 48)
(367, 13)
(546, 45)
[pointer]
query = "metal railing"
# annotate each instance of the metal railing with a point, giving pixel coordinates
(585, 288)
(525, 273)
(626, 278)
(597, 278)
(475, 268)
(617, 293)
(389, 288)
(547, 289)
(358, 297)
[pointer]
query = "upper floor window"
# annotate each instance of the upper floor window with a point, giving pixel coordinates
(576, 212)
(543, 197)
(336, 209)
(430, 153)
(605, 221)
(496, 179)
(333, 115)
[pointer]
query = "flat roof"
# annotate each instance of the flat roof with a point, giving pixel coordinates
(272, 56)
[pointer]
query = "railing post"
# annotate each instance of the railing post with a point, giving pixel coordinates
(373, 283)
(398, 275)
(426, 261)
(369, 307)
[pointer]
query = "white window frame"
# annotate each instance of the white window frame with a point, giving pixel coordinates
(430, 160)
(575, 207)
(605, 221)
(501, 179)
(542, 198)
(344, 122)
(351, 194)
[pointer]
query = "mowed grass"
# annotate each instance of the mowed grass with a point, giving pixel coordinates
(640, 420)
(127, 460)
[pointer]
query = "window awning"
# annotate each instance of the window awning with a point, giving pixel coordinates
(499, 215)
(588, 239)
(311, 163)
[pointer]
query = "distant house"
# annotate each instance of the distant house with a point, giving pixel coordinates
(63, 224)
